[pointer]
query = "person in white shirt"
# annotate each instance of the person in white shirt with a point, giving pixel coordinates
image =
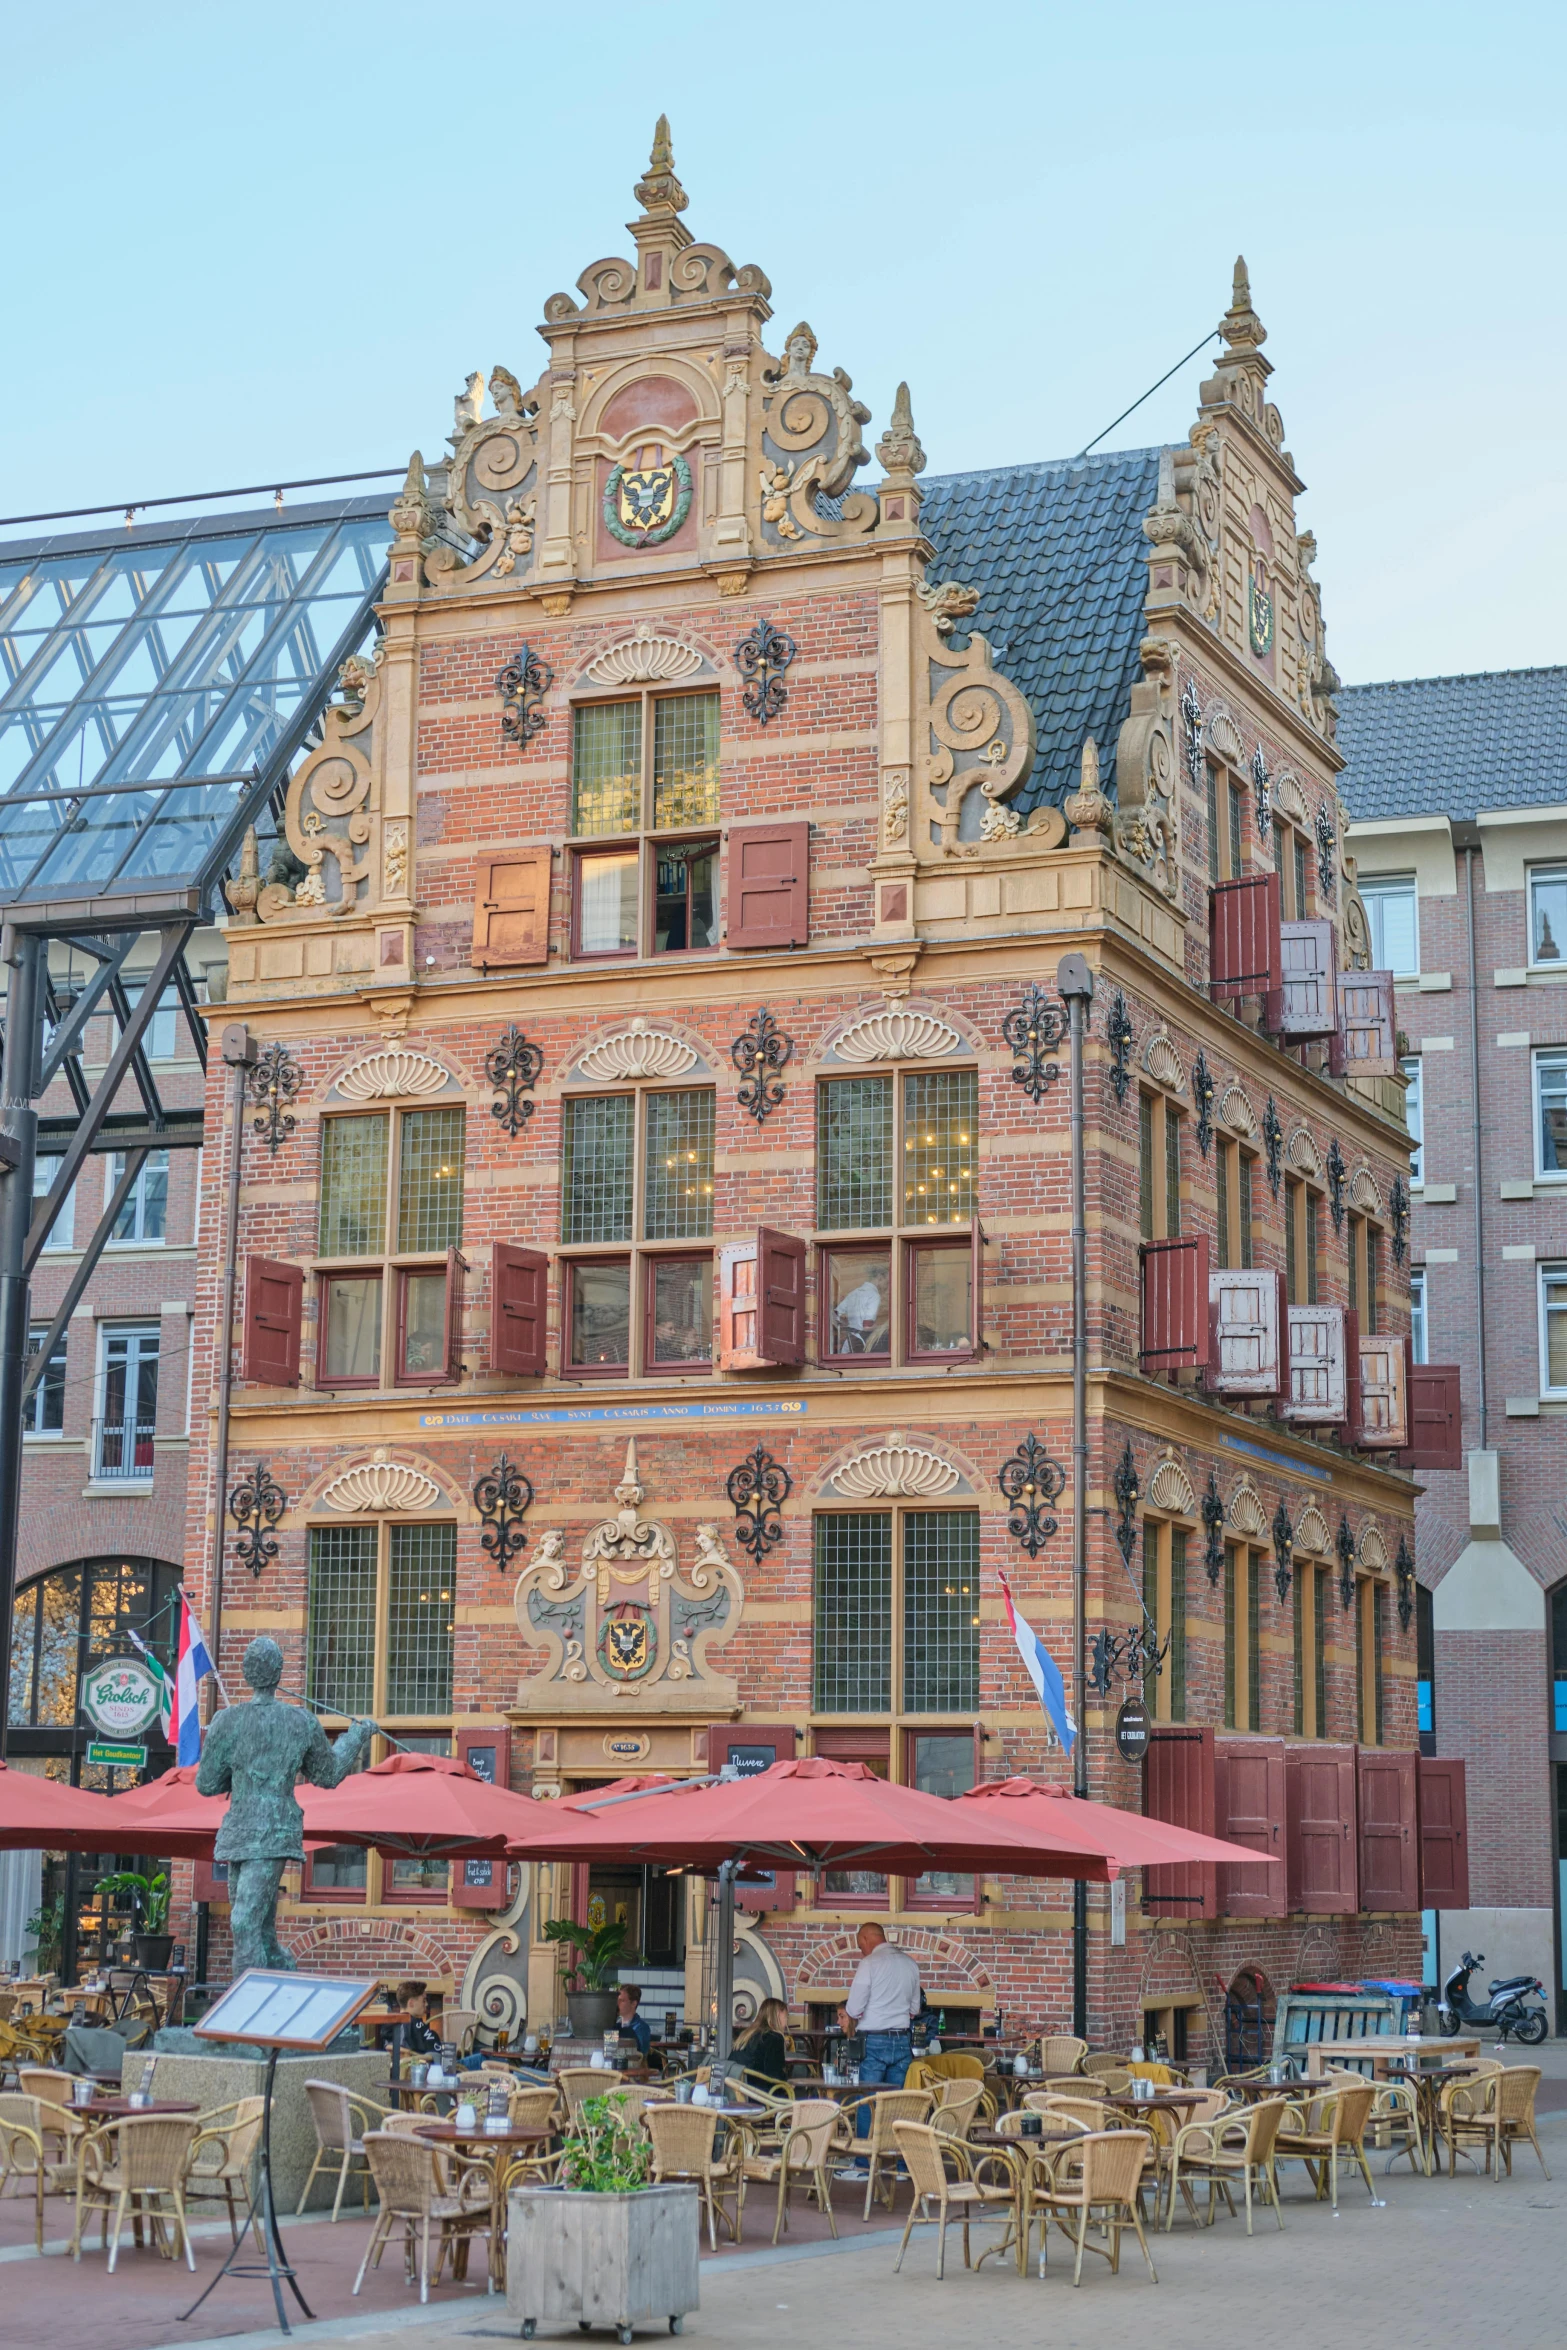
(883, 2000)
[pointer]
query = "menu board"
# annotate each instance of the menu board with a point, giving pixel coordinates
(276, 2009)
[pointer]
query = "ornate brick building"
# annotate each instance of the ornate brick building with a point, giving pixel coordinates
(669, 1252)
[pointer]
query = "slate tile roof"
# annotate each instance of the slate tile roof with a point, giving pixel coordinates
(1454, 746)
(1057, 553)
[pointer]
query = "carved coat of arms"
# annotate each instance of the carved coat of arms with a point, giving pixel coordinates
(1259, 611)
(646, 500)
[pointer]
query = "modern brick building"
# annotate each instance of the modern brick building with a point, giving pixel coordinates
(1459, 788)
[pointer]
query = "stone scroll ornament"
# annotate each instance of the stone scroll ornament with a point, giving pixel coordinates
(255, 1505)
(758, 1489)
(761, 658)
(522, 686)
(982, 733)
(502, 1497)
(492, 486)
(272, 1084)
(321, 865)
(514, 1068)
(1033, 1483)
(812, 447)
(1034, 1030)
(759, 1052)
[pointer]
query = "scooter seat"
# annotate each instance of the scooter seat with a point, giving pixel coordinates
(1512, 1983)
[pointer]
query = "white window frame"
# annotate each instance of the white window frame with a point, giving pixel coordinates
(156, 1162)
(1545, 1275)
(1537, 874)
(1374, 888)
(1419, 1334)
(34, 1403)
(139, 1326)
(45, 1168)
(1556, 1056)
(1413, 1067)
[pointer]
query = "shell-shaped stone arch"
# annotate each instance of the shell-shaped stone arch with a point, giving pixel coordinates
(646, 652)
(1301, 1152)
(613, 435)
(1364, 1197)
(1372, 1552)
(392, 1073)
(384, 1481)
(1223, 737)
(638, 1048)
(1170, 1489)
(899, 1028)
(1245, 1512)
(1312, 1533)
(1236, 1112)
(1164, 1064)
(1288, 798)
(903, 1465)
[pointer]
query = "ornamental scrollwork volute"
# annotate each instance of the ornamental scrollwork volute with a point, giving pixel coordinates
(1183, 525)
(811, 448)
(492, 486)
(323, 865)
(980, 728)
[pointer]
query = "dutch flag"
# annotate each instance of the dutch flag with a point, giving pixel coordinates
(1042, 1670)
(193, 1664)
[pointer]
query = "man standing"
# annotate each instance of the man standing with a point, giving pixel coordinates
(883, 2000)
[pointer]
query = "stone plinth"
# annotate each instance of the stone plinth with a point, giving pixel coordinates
(219, 2080)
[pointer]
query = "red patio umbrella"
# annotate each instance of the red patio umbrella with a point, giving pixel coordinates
(428, 1806)
(43, 1815)
(1128, 1839)
(167, 1816)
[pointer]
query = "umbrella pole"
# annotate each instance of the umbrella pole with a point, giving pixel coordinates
(724, 1973)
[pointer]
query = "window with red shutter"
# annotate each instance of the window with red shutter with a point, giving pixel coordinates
(1246, 1316)
(768, 872)
(1250, 1809)
(511, 913)
(1389, 1834)
(1305, 1004)
(1319, 1787)
(1436, 1417)
(1243, 936)
(1444, 1832)
(274, 1312)
(1175, 1304)
(456, 1268)
(761, 1303)
(519, 1297)
(1365, 1001)
(1178, 1786)
(1317, 1393)
(482, 1884)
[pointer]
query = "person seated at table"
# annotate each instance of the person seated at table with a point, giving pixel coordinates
(420, 2037)
(633, 2023)
(764, 2052)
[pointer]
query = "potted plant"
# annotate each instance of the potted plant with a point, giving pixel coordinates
(604, 2246)
(592, 1975)
(150, 1904)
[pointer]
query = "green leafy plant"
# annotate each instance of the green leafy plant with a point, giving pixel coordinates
(596, 1952)
(149, 1897)
(45, 1930)
(606, 2153)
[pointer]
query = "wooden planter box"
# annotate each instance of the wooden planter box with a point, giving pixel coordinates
(603, 2260)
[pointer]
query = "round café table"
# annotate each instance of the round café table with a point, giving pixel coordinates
(119, 2109)
(498, 2146)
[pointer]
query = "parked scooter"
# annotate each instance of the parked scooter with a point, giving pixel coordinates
(1510, 2005)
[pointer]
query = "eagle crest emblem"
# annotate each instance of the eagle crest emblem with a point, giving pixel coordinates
(627, 1642)
(647, 500)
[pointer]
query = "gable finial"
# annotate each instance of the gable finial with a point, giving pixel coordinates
(1240, 326)
(899, 450)
(658, 190)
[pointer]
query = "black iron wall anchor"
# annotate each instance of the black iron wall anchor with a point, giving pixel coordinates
(1203, 1091)
(1273, 1145)
(1337, 1174)
(514, 1066)
(1327, 863)
(1213, 1520)
(1118, 1032)
(1032, 1482)
(502, 1497)
(1344, 1544)
(273, 1083)
(255, 1505)
(758, 1489)
(1283, 1551)
(1398, 1212)
(522, 686)
(759, 1052)
(1034, 1030)
(1127, 1495)
(1404, 1569)
(1191, 712)
(762, 658)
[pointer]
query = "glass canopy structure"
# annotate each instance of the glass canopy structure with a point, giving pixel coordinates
(155, 683)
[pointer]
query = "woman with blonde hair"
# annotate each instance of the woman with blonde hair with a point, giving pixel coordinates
(764, 2052)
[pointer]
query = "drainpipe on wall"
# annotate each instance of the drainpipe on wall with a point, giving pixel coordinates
(1466, 838)
(1076, 983)
(239, 1052)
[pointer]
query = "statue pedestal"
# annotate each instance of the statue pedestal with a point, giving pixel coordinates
(217, 2080)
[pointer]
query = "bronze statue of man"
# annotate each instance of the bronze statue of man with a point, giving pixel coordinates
(254, 1754)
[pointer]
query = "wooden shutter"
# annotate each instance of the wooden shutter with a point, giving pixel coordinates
(1317, 1391)
(754, 1747)
(1444, 1832)
(769, 886)
(1319, 1788)
(1365, 1004)
(976, 1289)
(274, 1312)
(1175, 1304)
(519, 1299)
(1436, 1417)
(1178, 1787)
(1243, 936)
(1384, 1395)
(1249, 1808)
(511, 911)
(1350, 1426)
(1389, 1836)
(1305, 1003)
(456, 1267)
(761, 1303)
(482, 1884)
(1246, 1315)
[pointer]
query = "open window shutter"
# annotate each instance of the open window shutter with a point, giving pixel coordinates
(1365, 1000)
(1319, 1786)
(456, 1267)
(976, 1295)
(511, 912)
(1444, 1832)
(1351, 1425)
(274, 1311)
(1175, 1304)
(1436, 1417)
(769, 886)
(780, 1259)
(1249, 1808)
(1243, 936)
(1244, 1315)
(519, 1297)
(1389, 1838)
(1178, 1787)
(1384, 1395)
(754, 1748)
(1317, 1392)
(1305, 1004)
(482, 1884)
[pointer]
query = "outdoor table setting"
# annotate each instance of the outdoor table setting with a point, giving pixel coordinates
(115, 2109)
(499, 2149)
(1428, 2082)
(1386, 2052)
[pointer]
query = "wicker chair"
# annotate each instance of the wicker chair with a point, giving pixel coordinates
(1162, 2130)
(1060, 2052)
(682, 2138)
(961, 2191)
(1223, 2150)
(1102, 2064)
(1100, 2183)
(35, 2153)
(136, 2164)
(421, 2188)
(578, 2081)
(1396, 2123)
(957, 2108)
(802, 2146)
(888, 2107)
(535, 2109)
(338, 2116)
(1497, 2114)
(1089, 2113)
(1315, 2131)
(221, 2159)
(460, 2025)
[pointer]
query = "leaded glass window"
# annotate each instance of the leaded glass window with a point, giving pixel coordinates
(646, 767)
(353, 1186)
(940, 1115)
(606, 767)
(421, 1599)
(599, 1140)
(852, 1613)
(941, 1611)
(685, 761)
(430, 1181)
(854, 1154)
(340, 1672)
(679, 1186)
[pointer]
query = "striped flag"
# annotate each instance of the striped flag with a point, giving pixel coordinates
(192, 1665)
(165, 1687)
(1042, 1670)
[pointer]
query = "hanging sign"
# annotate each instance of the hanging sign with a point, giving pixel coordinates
(1131, 1730)
(120, 1698)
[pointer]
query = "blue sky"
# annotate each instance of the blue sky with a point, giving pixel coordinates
(259, 244)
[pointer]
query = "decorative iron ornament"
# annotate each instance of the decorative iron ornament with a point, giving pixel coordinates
(1398, 1210)
(1404, 1569)
(274, 1081)
(514, 1067)
(1283, 1551)
(1032, 1482)
(1262, 789)
(1127, 1495)
(501, 1497)
(1212, 1506)
(1191, 712)
(763, 656)
(1134, 1657)
(1327, 862)
(1273, 1145)
(758, 1489)
(522, 685)
(1203, 1090)
(1344, 1544)
(759, 1053)
(1337, 1174)
(1033, 1032)
(255, 1505)
(1118, 1030)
